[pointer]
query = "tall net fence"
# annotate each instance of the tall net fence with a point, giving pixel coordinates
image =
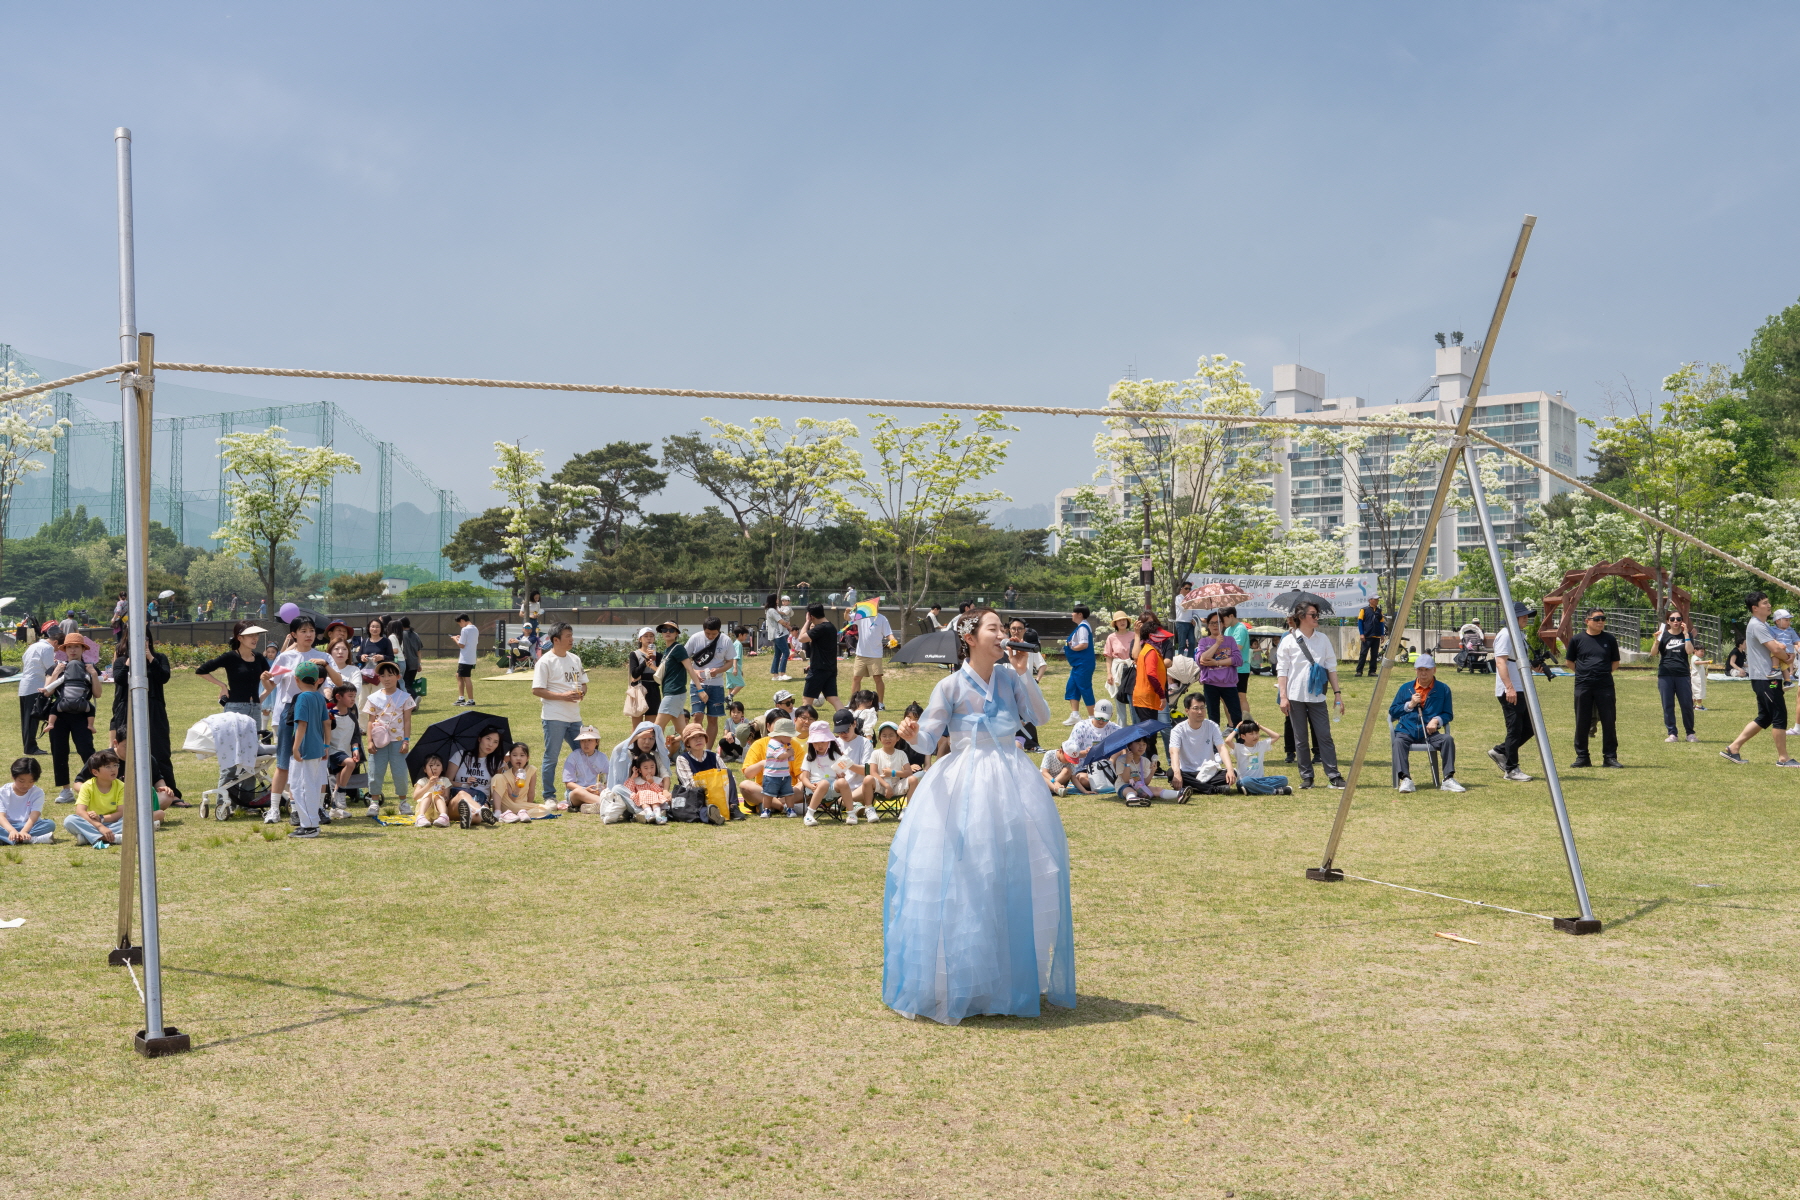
(392, 514)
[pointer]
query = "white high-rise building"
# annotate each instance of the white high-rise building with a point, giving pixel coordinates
(1312, 488)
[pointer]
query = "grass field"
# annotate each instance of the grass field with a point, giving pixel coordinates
(566, 1009)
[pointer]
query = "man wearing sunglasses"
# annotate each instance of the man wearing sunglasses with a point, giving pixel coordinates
(1593, 655)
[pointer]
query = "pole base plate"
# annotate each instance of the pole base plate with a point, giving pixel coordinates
(126, 954)
(1577, 925)
(173, 1041)
(1324, 874)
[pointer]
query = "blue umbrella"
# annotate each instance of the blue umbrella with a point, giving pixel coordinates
(1123, 735)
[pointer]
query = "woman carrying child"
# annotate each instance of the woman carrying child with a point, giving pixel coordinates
(976, 915)
(431, 795)
(515, 785)
(473, 773)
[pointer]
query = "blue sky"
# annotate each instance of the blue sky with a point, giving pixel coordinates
(939, 202)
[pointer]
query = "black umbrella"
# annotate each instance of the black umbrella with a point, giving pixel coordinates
(1122, 736)
(461, 732)
(937, 648)
(1289, 601)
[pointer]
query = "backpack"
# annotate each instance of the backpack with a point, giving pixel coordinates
(76, 696)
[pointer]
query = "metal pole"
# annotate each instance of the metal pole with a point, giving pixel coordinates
(134, 403)
(1325, 872)
(1586, 923)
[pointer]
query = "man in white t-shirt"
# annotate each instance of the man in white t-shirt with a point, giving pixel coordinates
(709, 652)
(1192, 743)
(466, 636)
(34, 670)
(872, 634)
(1509, 676)
(560, 681)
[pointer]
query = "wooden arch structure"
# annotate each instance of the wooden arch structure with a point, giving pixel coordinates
(1561, 603)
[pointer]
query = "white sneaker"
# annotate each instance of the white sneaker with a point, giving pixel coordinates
(66, 796)
(850, 815)
(1693, 737)
(375, 810)
(1670, 738)
(1518, 776)
(870, 815)
(1071, 719)
(421, 822)
(809, 818)
(1450, 785)
(1406, 783)
(406, 808)
(1792, 731)
(273, 816)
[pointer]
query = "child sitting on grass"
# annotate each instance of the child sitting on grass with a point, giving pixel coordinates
(737, 734)
(515, 785)
(648, 796)
(22, 818)
(98, 820)
(1135, 769)
(1244, 766)
(431, 796)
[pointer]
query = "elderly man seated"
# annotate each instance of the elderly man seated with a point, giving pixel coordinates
(1422, 713)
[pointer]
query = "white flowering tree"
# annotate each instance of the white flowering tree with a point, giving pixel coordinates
(28, 428)
(270, 484)
(541, 517)
(1593, 532)
(1303, 550)
(1207, 483)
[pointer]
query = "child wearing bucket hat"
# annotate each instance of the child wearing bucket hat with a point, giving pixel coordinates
(825, 766)
(583, 773)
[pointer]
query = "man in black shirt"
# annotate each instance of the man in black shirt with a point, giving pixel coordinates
(1594, 655)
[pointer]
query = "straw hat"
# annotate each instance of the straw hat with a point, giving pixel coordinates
(1121, 616)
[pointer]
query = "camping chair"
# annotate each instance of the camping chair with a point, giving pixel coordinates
(1430, 754)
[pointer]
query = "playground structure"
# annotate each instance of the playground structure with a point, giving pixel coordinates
(354, 522)
(1560, 605)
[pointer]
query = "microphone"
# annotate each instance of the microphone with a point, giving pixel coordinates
(1016, 645)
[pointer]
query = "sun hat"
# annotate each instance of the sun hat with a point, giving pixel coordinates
(336, 623)
(250, 629)
(692, 731)
(668, 626)
(820, 732)
(1522, 609)
(74, 641)
(778, 697)
(1425, 662)
(641, 632)
(1120, 616)
(588, 733)
(782, 728)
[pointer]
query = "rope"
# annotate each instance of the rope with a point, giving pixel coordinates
(618, 389)
(35, 388)
(1640, 514)
(1039, 409)
(1421, 891)
(135, 983)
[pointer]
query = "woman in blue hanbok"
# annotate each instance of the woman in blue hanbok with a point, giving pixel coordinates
(976, 916)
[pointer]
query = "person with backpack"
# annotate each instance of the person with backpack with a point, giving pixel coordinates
(74, 689)
(707, 654)
(1304, 666)
(408, 652)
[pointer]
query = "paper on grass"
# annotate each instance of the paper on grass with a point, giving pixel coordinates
(12, 924)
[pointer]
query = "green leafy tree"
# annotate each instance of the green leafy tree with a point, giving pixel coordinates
(692, 457)
(365, 586)
(1672, 461)
(622, 474)
(785, 481)
(218, 577)
(1770, 378)
(72, 529)
(43, 572)
(924, 481)
(1107, 558)
(1206, 483)
(480, 543)
(270, 484)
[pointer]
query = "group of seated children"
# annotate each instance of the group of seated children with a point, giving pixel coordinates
(99, 816)
(835, 762)
(1202, 759)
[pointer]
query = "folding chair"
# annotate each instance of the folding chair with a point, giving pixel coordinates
(1430, 753)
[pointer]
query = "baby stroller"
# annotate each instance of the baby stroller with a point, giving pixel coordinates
(246, 763)
(1473, 653)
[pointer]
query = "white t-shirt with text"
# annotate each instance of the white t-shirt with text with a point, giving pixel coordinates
(559, 673)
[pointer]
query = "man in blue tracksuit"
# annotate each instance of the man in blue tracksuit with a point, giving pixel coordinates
(1371, 626)
(1422, 712)
(1078, 651)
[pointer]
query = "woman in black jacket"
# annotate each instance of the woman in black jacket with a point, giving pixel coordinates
(642, 668)
(162, 758)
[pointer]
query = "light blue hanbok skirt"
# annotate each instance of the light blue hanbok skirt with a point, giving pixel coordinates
(976, 917)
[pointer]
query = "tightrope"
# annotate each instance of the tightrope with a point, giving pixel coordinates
(134, 981)
(617, 389)
(1478, 903)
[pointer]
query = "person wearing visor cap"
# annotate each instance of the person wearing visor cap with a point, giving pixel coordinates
(1422, 712)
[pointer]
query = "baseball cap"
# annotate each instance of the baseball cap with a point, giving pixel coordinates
(1103, 708)
(308, 672)
(1425, 662)
(842, 719)
(1783, 614)
(780, 696)
(641, 632)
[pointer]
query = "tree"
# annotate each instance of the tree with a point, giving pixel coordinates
(480, 543)
(621, 474)
(72, 529)
(1672, 462)
(366, 586)
(691, 456)
(1206, 482)
(786, 482)
(1303, 551)
(917, 493)
(1770, 377)
(270, 485)
(27, 429)
(1108, 555)
(43, 572)
(1592, 532)
(218, 577)
(539, 516)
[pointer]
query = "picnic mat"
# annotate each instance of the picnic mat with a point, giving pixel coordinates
(394, 820)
